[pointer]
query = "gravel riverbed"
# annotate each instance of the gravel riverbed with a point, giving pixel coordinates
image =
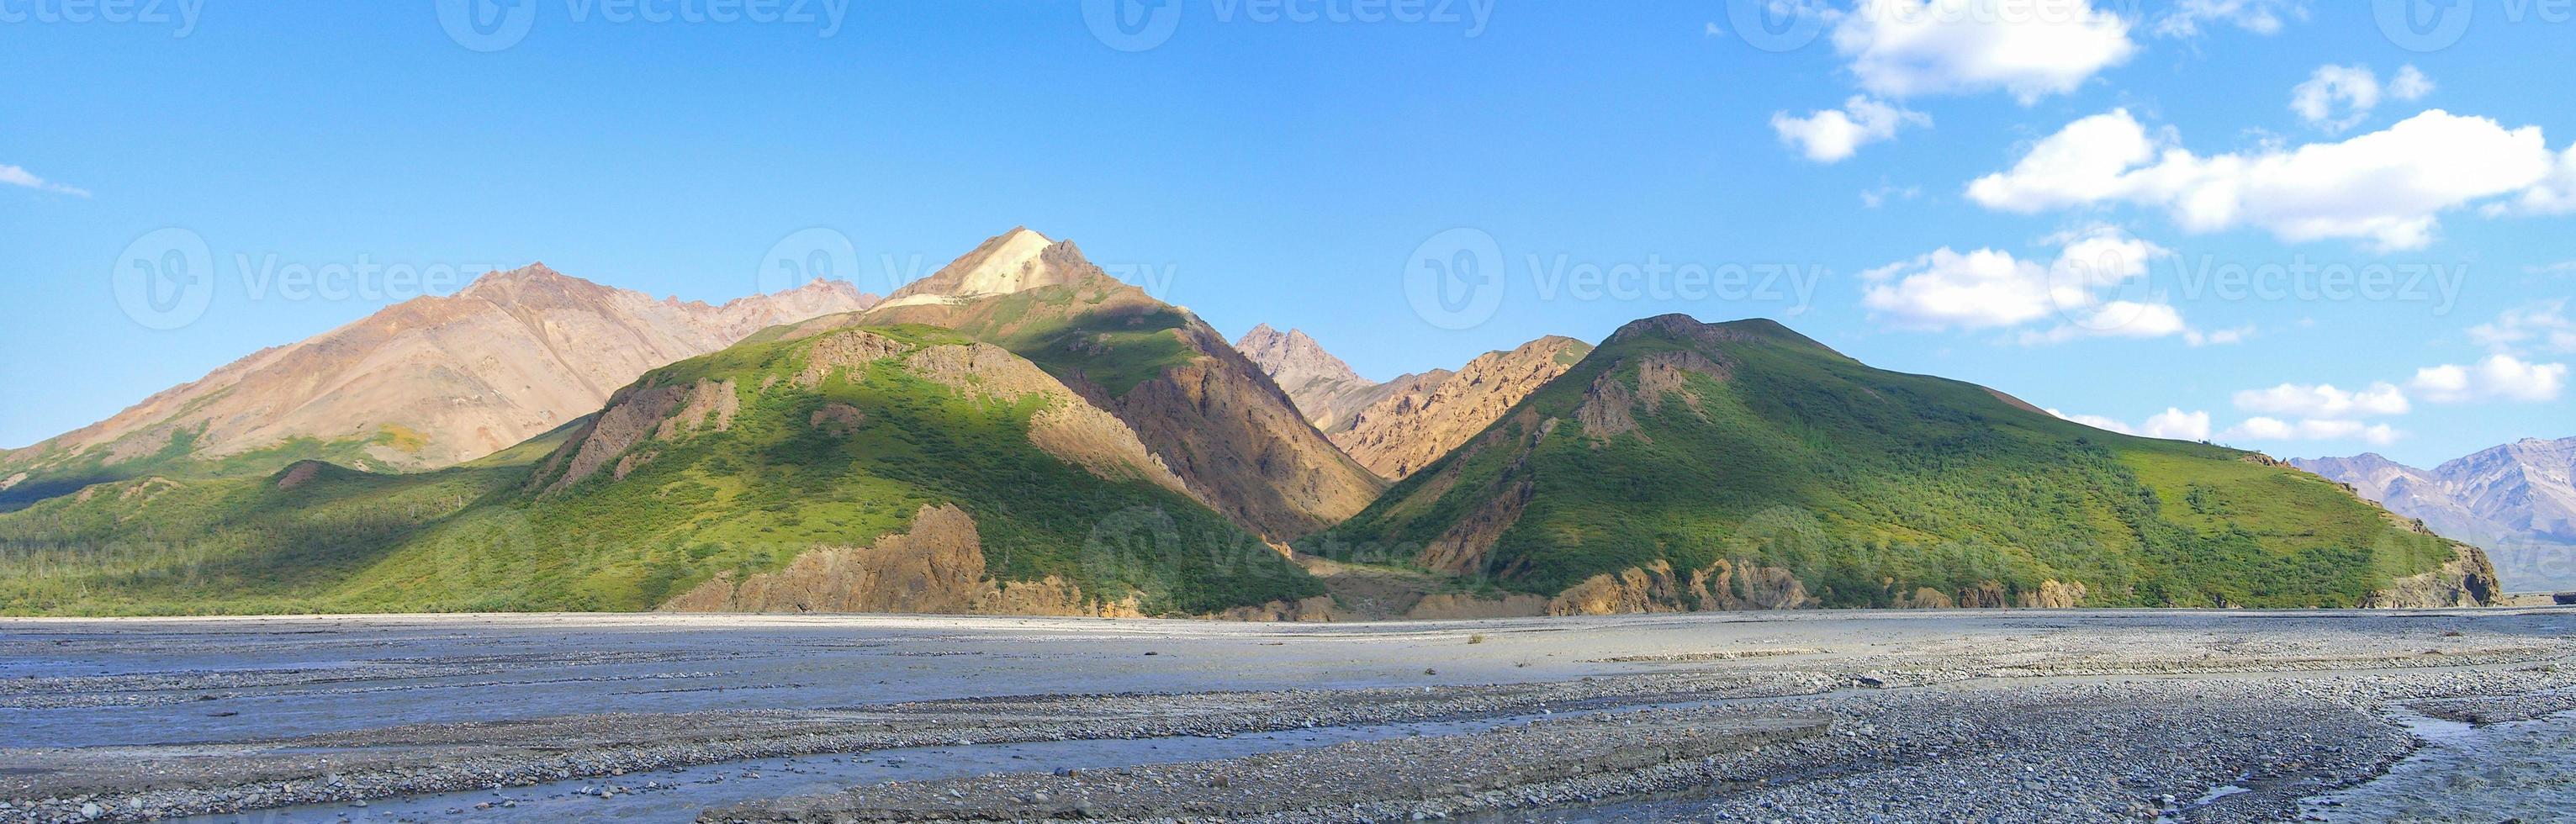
(1948, 716)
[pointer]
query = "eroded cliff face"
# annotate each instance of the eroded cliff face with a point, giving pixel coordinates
(1221, 425)
(935, 567)
(1422, 420)
(2468, 580)
(1725, 585)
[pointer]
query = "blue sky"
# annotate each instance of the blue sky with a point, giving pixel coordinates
(1295, 165)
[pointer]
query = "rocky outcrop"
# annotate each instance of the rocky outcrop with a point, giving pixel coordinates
(1425, 417)
(849, 349)
(2050, 594)
(1610, 406)
(1318, 609)
(303, 472)
(2468, 580)
(1725, 585)
(2054, 595)
(433, 381)
(709, 405)
(937, 566)
(1450, 606)
(635, 414)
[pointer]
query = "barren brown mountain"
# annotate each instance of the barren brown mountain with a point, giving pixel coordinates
(1422, 417)
(430, 382)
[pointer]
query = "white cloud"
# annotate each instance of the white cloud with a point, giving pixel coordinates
(1993, 289)
(2175, 424)
(1834, 134)
(2257, 16)
(1874, 198)
(2410, 84)
(1987, 288)
(1945, 289)
(2544, 325)
(2275, 429)
(2118, 319)
(2324, 400)
(2171, 424)
(2098, 422)
(2387, 188)
(2220, 337)
(2555, 194)
(2499, 377)
(2029, 48)
(2354, 87)
(15, 176)
(2337, 98)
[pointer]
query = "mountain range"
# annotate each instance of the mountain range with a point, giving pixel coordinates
(427, 383)
(1020, 433)
(1399, 426)
(2517, 500)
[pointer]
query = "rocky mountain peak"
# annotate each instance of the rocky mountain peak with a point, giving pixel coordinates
(1013, 261)
(1686, 328)
(1291, 355)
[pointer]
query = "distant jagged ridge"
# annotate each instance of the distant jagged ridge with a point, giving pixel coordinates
(2517, 500)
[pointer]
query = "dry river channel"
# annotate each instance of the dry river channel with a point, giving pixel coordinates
(2010, 716)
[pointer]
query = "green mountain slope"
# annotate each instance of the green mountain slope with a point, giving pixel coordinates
(1683, 465)
(877, 469)
(285, 542)
(1213, 416)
